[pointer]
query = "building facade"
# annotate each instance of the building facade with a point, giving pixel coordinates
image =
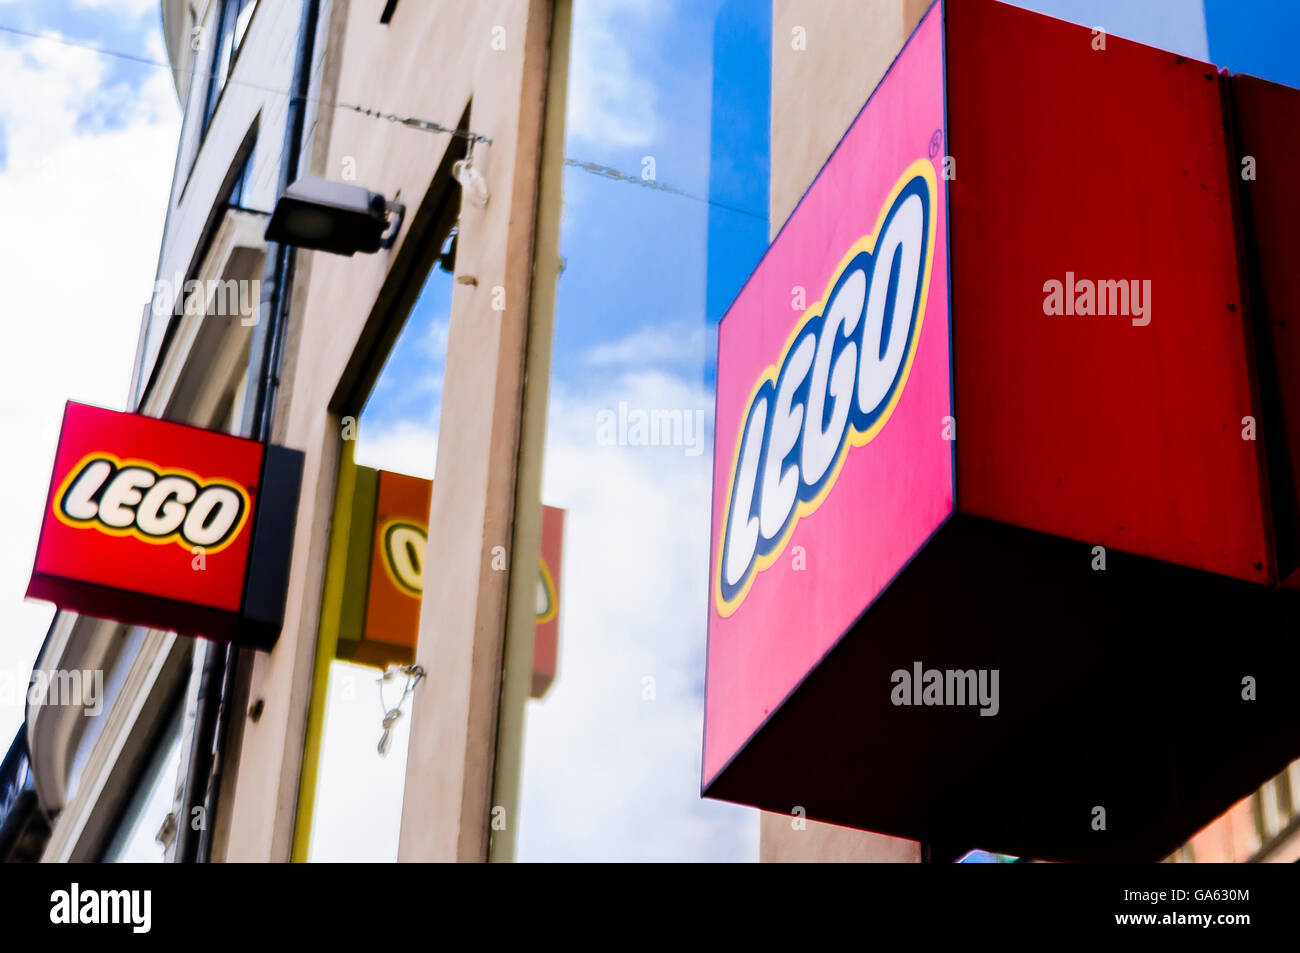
(585, 187)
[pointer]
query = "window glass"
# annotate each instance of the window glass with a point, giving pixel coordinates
(240, 190)
(665, 198)
(246, 8)
(357, 806)
(147, 825)
(231, 24)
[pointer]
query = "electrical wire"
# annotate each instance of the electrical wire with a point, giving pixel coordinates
(410, 122)
(425, 125)
(609, 172)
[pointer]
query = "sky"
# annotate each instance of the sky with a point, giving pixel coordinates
(358, 807)
(87, 145)
(611, 754)
(608, 774)
(1177, 25)
(611, 758)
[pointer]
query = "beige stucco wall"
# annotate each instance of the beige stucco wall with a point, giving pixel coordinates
(415, 66)
(818, 90)
(781, 841)
(848, 45)
(816, 93)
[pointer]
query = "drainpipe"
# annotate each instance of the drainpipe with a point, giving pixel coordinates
(216, 692)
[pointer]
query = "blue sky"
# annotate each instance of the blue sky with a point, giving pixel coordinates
(79, 257)
(618, 276)
(1177, 25)
(127, 26)
(409, 387)
(641, 279)
(1257, 37)
(611, 761)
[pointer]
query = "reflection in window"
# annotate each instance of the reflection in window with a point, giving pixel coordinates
(611, 754)
(239, 191)
(147, 827)
(386, 477)
(232, 24)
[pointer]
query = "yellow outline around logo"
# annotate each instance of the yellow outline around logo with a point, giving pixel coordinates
(552, 599)
(159, 471)
(921, 168)
(387, 560)
(547, 581)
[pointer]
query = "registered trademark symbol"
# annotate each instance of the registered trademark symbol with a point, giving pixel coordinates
(936, 142)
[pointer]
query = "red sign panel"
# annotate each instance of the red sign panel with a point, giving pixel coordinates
(384, 577)
(397, 556)
(993, 503)
(150, 522)
(833, 389)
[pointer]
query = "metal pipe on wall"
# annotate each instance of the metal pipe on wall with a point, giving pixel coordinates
(266, 354)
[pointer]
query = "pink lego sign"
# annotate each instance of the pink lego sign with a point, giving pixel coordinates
(833, 456)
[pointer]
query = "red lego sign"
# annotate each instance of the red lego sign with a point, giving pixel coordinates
(153, 522)
(1030, 523)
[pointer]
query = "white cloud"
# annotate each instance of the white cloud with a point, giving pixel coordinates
(358, 807)
(405, 446)
(610, 101)
(82, 219)
(434, 343)
(659, 344)
(156, 47)
(358, 810)
(608, 774)
(132, 8)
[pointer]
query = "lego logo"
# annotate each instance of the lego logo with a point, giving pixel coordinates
(404, 549)
(153, 504)
(834, 385)
(547, 603)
